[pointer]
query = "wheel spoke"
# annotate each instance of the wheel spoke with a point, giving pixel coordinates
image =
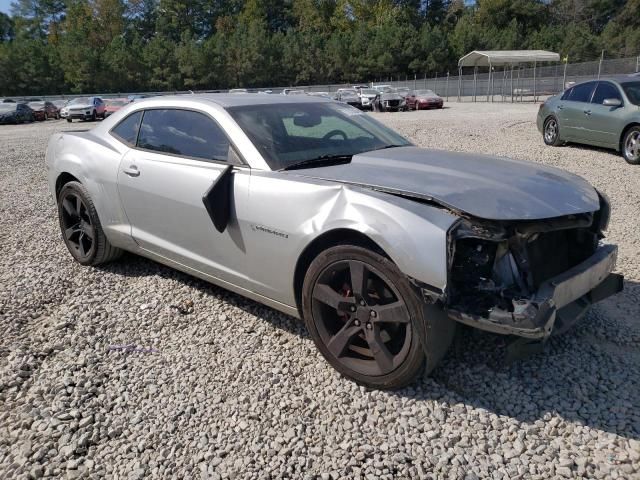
(83, 252)
(71, 230)
(327, 295)
(359, 278)
(78, 206)
(68, 206)
(381, 353)
(86, 229)
(392, 313)
(341, 340)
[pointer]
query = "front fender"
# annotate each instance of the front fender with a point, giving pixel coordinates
(412, 234)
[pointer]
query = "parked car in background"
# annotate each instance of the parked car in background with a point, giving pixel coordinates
(7, 100)
(367, 96)
(403, 91)
(112, 105)
(293, 91)
(382, 88)
(84, 108)
(423, 99)
(320, 94)
(389, 101)
(135, 97)
(238, 90)
(12, 112)
(349, 96)
(604, 113)
(318, 210)
(44, 110)
(60, 104)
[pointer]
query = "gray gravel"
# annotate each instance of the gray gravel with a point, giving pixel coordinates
(135, 371)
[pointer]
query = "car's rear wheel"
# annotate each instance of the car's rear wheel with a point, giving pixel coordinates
(551, 132)
(363, 315)
(69, 119)
(631, 146)
(81, 228)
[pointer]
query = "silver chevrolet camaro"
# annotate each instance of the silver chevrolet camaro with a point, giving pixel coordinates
(314, 208)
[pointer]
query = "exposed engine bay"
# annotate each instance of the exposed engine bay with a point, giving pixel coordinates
(503, 275)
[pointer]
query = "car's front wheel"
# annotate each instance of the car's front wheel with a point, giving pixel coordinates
(364, 316)
(551, 132)
(81, 228)
(631, 146)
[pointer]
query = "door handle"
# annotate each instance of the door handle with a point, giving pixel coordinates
(560, 107)
(587, 112)
(132, 171)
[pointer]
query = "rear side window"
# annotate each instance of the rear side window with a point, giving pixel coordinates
(127, 130)
(582, 93)
(605, 90)
(183, 132)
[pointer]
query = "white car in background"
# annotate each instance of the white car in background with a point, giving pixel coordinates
(84, 108)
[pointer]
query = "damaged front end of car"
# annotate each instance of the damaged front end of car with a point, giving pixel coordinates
(529, 278)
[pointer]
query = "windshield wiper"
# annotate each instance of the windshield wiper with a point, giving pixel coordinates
(322, 160)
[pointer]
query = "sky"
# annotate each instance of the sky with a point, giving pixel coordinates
(5, 6)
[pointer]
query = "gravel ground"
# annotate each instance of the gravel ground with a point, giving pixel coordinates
(216, 386)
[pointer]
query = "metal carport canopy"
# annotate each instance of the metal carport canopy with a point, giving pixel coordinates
(493, 58)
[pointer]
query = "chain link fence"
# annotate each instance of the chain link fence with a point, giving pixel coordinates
(517, 84)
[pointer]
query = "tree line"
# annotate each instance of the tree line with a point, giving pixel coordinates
(75, 46)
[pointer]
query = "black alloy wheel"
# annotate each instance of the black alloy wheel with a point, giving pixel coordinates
(362, 313)
(80, 226)
(77, 228)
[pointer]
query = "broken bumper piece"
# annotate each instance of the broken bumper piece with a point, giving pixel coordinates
(558, 303)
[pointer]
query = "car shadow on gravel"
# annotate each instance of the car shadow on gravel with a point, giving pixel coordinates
(589, 375)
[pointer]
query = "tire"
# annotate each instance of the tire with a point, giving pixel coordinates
(551, 132)
(93, 116)
(345, 339)
(631, 145)
(69, 119)
(79, 222)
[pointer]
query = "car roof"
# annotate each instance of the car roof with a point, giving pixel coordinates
(632, 77)
(232, 100)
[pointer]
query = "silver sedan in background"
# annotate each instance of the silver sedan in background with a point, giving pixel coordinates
(316, 209)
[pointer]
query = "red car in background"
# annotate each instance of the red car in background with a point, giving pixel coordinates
(43, 110)
(112, 105)
(423, 99)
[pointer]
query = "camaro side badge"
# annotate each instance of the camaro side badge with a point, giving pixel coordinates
(262, 228)
(217, 200)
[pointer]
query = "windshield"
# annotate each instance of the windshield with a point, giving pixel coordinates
(80, 100)
(7, 107)
(632, 90)
(290, 133)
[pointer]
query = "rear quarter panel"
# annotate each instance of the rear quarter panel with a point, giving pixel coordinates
(94, 161)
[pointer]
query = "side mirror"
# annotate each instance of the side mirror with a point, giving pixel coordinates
(612, 102)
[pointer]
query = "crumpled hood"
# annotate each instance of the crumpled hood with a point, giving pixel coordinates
(482, 186)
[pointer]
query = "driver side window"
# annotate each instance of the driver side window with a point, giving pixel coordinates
(605, 90)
